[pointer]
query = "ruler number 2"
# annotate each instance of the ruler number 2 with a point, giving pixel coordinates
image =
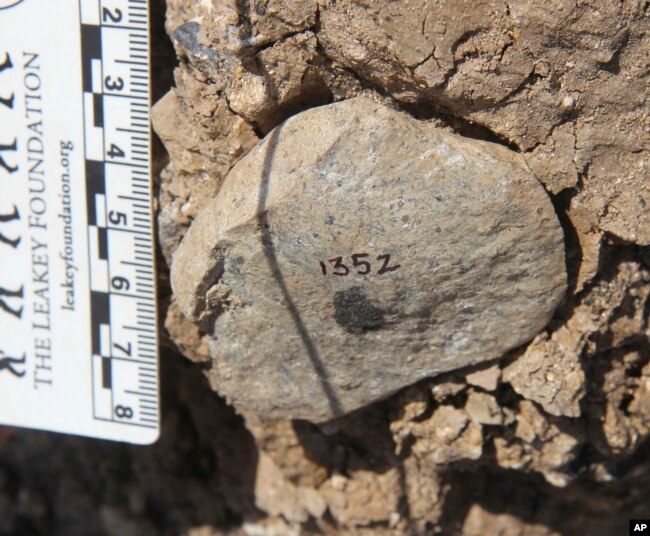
(111, 16)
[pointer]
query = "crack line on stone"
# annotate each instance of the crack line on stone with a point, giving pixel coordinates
(427, 58)
(269, 252)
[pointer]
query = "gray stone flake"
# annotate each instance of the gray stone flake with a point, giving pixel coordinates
(356, 251)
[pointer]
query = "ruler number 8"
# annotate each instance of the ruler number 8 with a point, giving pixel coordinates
(123, 412)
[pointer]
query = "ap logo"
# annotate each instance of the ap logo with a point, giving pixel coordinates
(639, 526)
(6, 4)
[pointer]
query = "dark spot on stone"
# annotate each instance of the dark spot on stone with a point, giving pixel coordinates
(354, 313)
(187, 36)
(329, 220)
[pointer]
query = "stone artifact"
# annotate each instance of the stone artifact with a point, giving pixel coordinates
(357, 250)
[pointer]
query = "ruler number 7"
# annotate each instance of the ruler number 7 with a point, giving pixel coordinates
(125, 349)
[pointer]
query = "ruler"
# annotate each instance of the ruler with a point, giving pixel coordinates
(78, 336)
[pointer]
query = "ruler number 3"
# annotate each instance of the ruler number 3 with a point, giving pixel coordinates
(114, 84)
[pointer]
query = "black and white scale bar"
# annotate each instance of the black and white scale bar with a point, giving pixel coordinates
(122, 296)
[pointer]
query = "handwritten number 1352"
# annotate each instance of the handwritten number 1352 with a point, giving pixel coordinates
(363, 267)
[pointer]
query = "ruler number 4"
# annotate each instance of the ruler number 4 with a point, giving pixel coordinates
(115, 152)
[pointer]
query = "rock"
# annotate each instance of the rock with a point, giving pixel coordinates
(483, 408)
(480, 521)
(271, 526)
(448, 436)
(412, 404)
(279, 497)
(487, 379)
(550, 371)
(200, 157)
(187, 337)
(365, 498)
(623, 402)
(336, 266)
(442, 391)
(540, 444)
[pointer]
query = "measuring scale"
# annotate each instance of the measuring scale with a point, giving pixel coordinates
(78, 338)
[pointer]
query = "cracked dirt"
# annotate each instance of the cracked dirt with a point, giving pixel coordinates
(551, 439)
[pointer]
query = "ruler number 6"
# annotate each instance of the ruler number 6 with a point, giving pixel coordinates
(120, 283)
(111, 16)
(123, 412)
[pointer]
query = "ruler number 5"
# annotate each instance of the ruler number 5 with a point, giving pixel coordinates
(117, 218)
(111, 16)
